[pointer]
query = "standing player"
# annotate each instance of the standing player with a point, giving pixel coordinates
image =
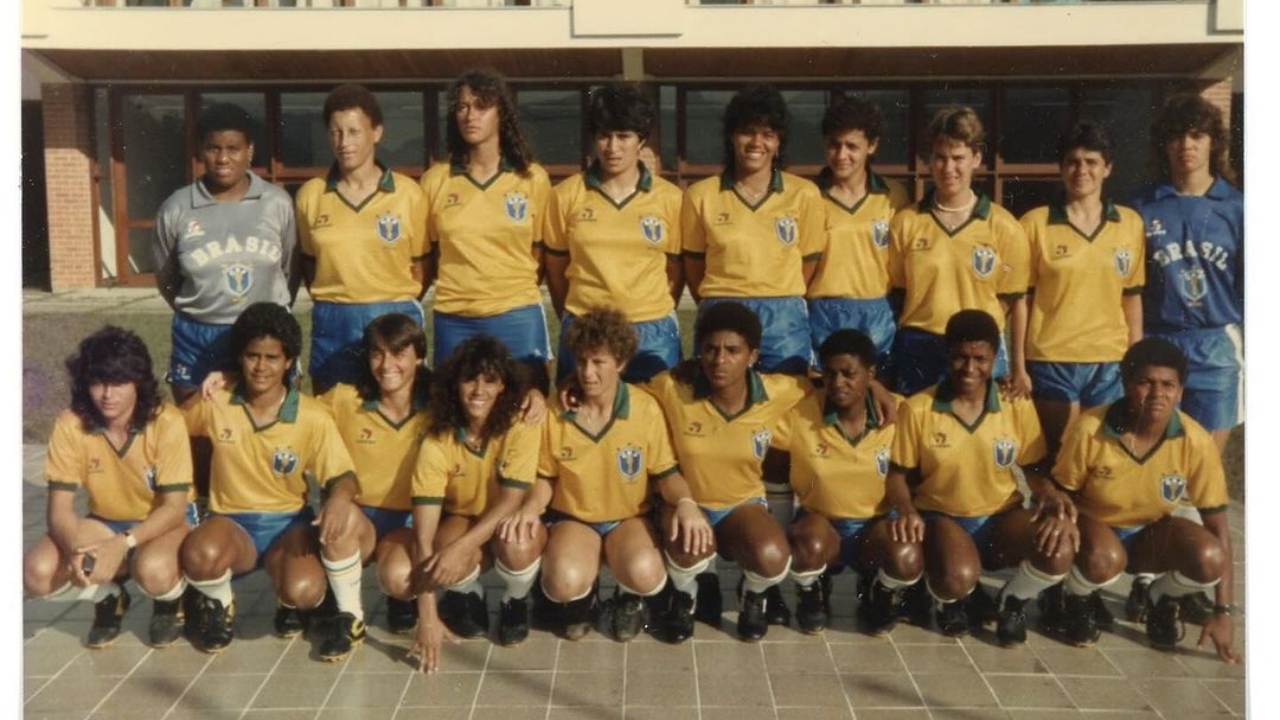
(1129, 466)
(362, 236)
(851, 285)
(613, 235)
(128, 450)
(754, 234)
(953, 250)
(485, 214)
(1085, 287)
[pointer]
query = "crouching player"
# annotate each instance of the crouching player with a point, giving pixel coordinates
(267, 438)
(839, 455)
(129, 451)
(1129, 465)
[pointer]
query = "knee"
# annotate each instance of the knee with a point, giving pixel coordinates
(1209, 563)
(305, 591)
(1101, 565)
(518, 555)
(808, 551)
(644, 574)
(563, 583)
(954, 582)
(904, 561)
(38, 572)
(769, 558)
(393, 578)
(201, 559)
(155, 572)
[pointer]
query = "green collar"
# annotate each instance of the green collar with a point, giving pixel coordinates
(1114, 422)
(621, 406)
(831, 416)
(415, 405)
(288, 411)
(727, 181)
(592, 177)
(385, 183)
(1058, 212)
(942, 400)
(981, 208)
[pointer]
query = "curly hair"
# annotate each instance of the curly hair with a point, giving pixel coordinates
(1183, 114)
(618, 107)
(353, 97)
(473, 357)
(113, 356)
(1152, 352)
(723, 316)
(956, 123)
(847, 113)
(972, 326)
(756, 106)
(394, 331)
(490, 89)
(1085, 135)
(602, 328)
(266, 319)
(848, 341)
(225, 116)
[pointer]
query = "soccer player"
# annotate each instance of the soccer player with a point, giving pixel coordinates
(128, 450)
(486, 213)
(1085, 287)
(613, 235)
(958, 445)
(602, 463)
(955, 249)
(754, 234)
(267, 440)
(363, 239)
(850, 287)
(1194, 296)
(722, 415)
(474, 469)
(1129, 465)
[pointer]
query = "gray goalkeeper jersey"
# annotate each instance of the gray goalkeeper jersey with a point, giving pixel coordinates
(216, 258)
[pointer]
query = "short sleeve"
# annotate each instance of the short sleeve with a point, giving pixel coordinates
(540, 200)
(897, 249)
(164, 242)
(1015, 253)
(1031, 444)
(518, 463)
(555, 232)
(813, 221)
(1029, 227)
(431, 233)
(1071, 469)
(430, 472)
(693, 238)
(302, 213)
(195, 412)
(64, 464)
(418, 245)
(1136, 243)
(1207, 482)
(547, 466)
(662, 457)
(174, 470)
(329, 457)
(671, 216)
(782, 429)
(904, 454)
(898, 196)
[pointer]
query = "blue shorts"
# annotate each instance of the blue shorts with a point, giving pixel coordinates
(265, 528)
(190, 516)
(873, 317)
(1213, 394)
(850, 532)
(337, 337)
(1090, 384)
(784, 345)
(385, 521)
(978, 528)
(714, 516)
(523, 331)
(1127, 535)
(553, 517)
(198, 349)
(658, 349)
(920, 360)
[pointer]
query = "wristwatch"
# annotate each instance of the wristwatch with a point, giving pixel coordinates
(131, 542)
(1227, 610)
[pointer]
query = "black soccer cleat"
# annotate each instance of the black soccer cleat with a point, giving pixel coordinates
(752, 621)
(167, 621)
(466, 614)
(952, 619)
(1164, 624)
(1079, 620)
(1135, 606)
(287, 622)
(879, 610)
(710, 604)
(1196, 608)
(628, 616)
(680, 616)
(1011, 626)
(812, 607)
(402, 615)
(218, 630)
(107, 616)
(776, 611)
(513, 621)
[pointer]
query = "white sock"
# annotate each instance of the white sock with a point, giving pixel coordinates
(171, 594)
(590, 589)
(649, 593)
(344, 581)
(1078, 584)
(754, 583)
(1175, 584)
(518, 582)
(806, 578)
(939, 602)
(217, 589)
(894, 583)
(1028, 582)
(685, 579)
(469, 584)
(71, 593)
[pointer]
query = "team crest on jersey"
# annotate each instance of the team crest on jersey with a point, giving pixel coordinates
(284, 461)
(1156, 228)
(880, 233)
(1123, 262)
(389, 227)
(882, 462)
(1004, 451)
(760, 443)
(983, 261)
(1173, 488)
(238, 278)
(1192, 284)
(516, 206)
(651, 228)
(785, 227)
(194, 230)
(630, 461)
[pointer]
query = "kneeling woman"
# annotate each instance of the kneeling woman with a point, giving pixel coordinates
(267, 439)
(129, 451)
(599, 466)
(958, 444)
(838, 446)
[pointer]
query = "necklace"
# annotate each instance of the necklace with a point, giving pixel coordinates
(752, 196)
(973, 200)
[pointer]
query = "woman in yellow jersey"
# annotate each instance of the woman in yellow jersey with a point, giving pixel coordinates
(613, 235)
(837, 446)
(754, 234)
(722, 414)
(362, 237)
(602, 463)
(128, 450)
(1087, 272)
(953, 250)
(485, 214)
(958, 446)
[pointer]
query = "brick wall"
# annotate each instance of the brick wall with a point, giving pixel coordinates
(68, 155)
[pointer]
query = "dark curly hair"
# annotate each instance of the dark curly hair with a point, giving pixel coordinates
(353, 97)
(1152, 352)
(473, 357)
(491, 89)
(618, 107)
(729, 315)
(113, 356)
(848, 341)
(846, 113)
(756, 106)
(395, 331)
(1182, 114)
(225, 116)
(1085, 135)
(602, 328)
(266, 319)
(972, 326)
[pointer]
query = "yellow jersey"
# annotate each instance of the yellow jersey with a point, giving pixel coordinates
(855, 263)
(466, 481)
(383, 452)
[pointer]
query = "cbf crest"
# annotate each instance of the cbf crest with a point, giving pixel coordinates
(1192, 284)
(630, 460)
(1173, 488)
(880, 233)
(651, 229)
(1004, 451)
(983, 261)
(284, 461)
(238, 279)
(760, 443)
(516, 205)
(389, 228)
(1123, 262)
(882, 462)
(786, 229)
